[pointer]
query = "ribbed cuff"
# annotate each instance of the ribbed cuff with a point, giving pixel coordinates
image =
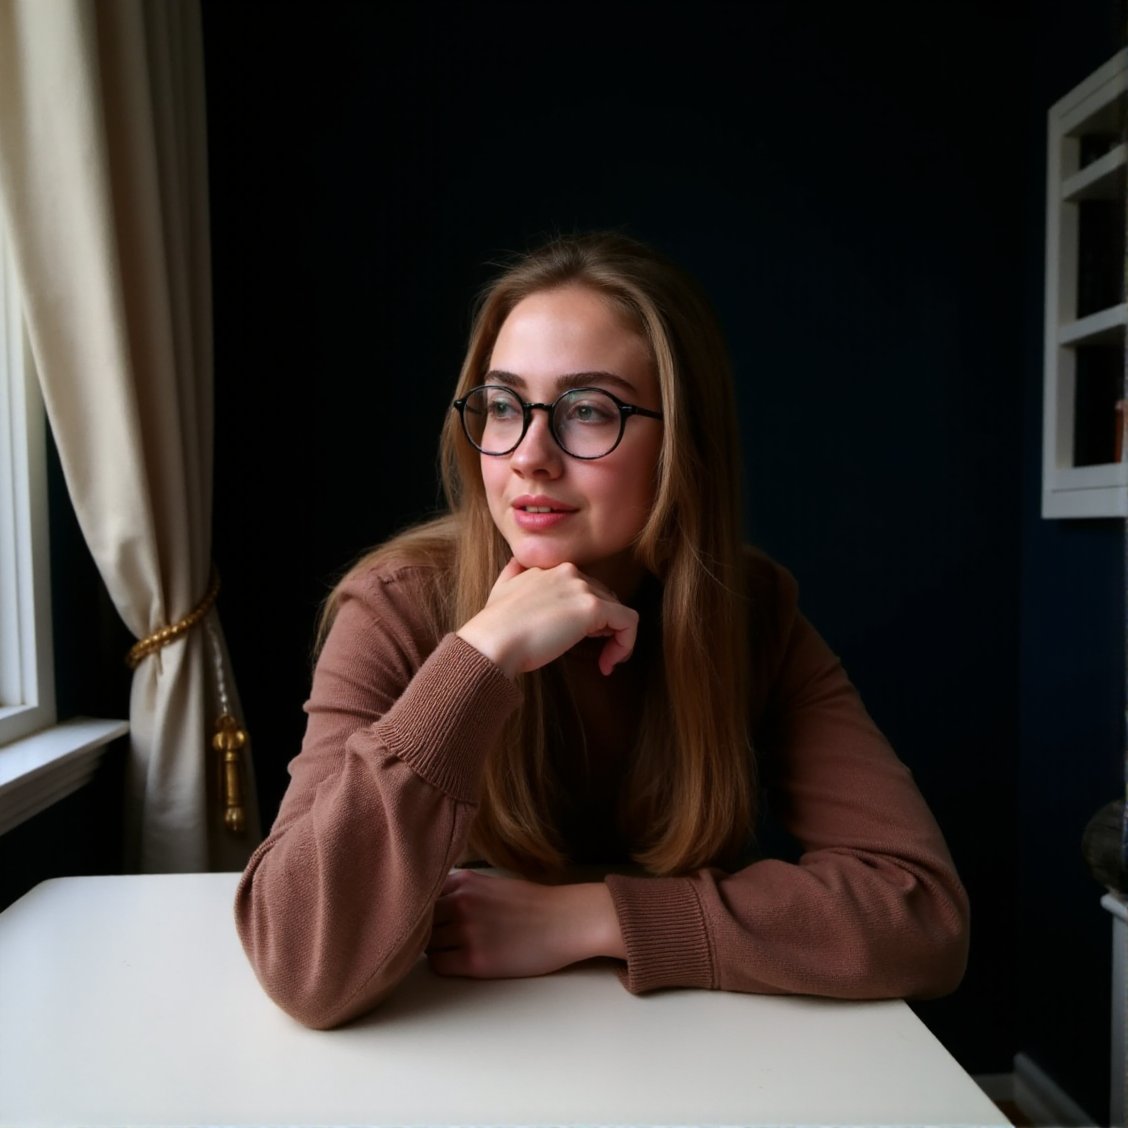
(664, 931)
(450, 716)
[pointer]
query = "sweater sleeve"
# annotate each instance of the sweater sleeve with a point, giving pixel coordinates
(872, 909)
(335, 905)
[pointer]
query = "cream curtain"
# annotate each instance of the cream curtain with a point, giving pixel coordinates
(103, 193)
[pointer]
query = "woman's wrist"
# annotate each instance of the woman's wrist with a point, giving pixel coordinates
(487, 645)
(600, 934)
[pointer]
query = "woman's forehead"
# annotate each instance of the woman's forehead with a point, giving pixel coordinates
(571, 337)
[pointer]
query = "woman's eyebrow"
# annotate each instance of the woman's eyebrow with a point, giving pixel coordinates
(563, 383)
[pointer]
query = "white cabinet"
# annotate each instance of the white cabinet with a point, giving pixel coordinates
(1084, 467)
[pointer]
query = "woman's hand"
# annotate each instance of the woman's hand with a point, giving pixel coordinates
(534, 615)
(502, 928)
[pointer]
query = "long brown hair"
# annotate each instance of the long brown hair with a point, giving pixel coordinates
(689, 796)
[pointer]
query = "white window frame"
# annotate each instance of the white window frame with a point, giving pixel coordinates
(41, 761)
(27, 669)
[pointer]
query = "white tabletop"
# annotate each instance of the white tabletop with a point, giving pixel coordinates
(128, 1001)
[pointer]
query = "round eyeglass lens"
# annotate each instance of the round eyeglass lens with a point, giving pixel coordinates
(494, 419)
(587, 422)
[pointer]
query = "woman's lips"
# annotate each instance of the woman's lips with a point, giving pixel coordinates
(537, 514)
(539, 522)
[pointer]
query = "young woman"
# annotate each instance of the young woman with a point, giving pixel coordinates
(581, 665)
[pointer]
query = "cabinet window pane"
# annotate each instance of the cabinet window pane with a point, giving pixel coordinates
(1100, 379)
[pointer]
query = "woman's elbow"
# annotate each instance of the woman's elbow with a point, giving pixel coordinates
(312, 998)
(319, 1010)
(319, 988)
(935, 959)
(316, 993)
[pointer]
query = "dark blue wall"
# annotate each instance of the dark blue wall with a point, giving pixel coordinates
(861, 193)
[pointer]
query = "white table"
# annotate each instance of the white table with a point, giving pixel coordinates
(128, 1001)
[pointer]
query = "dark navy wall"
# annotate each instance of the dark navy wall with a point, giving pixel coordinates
(861, 194)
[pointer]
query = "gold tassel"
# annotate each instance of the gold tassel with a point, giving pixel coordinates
(228, 741)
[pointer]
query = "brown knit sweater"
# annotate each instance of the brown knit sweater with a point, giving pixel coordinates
(335, 906)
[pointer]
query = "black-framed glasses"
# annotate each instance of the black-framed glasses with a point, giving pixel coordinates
(585, 422)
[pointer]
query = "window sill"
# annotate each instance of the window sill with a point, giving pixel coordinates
(41, 769)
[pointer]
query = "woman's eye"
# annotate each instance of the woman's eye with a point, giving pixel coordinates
(588, 411)
(500, 409)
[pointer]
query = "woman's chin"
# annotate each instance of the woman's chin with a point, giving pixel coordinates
(538, 555)
(621, 572)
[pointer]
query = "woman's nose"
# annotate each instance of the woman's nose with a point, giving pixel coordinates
(538, 452)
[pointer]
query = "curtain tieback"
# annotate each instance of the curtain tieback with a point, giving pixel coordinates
(230, 738)
(150, 644)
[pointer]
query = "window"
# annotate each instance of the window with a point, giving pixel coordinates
(41, 762)
(27, 688)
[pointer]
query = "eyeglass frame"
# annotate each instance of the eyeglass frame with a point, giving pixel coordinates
(626, 410)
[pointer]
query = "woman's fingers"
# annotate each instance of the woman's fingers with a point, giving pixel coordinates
(443, 938)
(453, 880)
(618, 648)
(621, 632)
(444, 916)
(512, 569)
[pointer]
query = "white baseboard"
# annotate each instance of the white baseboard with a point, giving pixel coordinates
(1043, 1100)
